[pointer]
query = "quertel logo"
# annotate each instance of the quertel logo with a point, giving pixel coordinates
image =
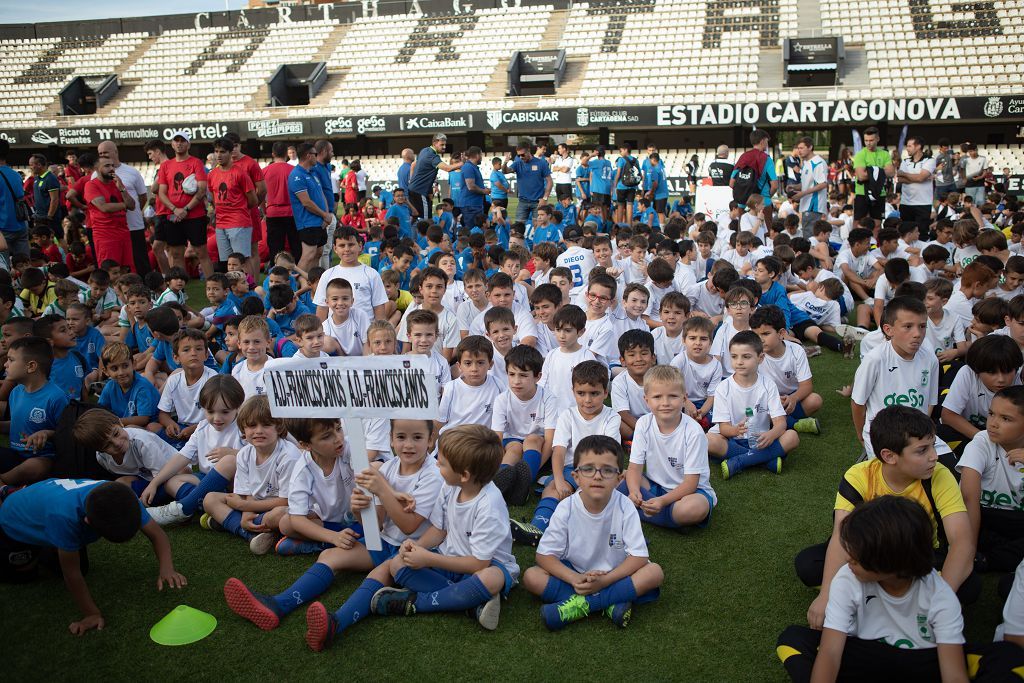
(41, 137)
(993, 107)
(493, 118)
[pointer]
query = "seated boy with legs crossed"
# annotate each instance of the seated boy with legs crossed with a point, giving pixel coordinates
(890, 614)
(590, 416)
(524, 419)
(212, 448)
(701, 371)
(785, 363)
(748, 402)
(179, 409)
(320, 490)
(470, 398)
(127, 394)
(263, 468)
(636, 353)
(407, 488)
(907, 466)
(668, 478)
(593, 557)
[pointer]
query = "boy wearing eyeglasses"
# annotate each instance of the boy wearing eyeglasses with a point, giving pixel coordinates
(593, 557)
(600, 334)
(668, 478)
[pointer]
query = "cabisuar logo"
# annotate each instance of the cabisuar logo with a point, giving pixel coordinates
(496, 118)
(333, 388)
(269, 128)
(432, 122)
(822, 111)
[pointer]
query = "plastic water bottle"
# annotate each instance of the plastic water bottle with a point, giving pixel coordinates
(753, 433)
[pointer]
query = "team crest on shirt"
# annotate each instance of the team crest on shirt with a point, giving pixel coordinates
(924, 377)
(615, 542)
(788, 374)
(131, 408)
(923, 628)
(487, 407)
(674, 462)
(37, 415)
(91, 347)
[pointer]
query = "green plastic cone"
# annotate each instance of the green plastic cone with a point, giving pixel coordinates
(182, 626)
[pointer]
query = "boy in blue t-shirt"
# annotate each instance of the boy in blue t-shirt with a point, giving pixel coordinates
(69, 514)
(403, 212)
(648, 216)
(285, 307)
(36, 405)
(138, 302)
(89, 341)
(445, 216)
(68, 369)
(569, 212)
(544, 230)
(129, 395)
(499, 184)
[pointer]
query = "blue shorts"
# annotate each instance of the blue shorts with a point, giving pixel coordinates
(177, 443)
(139, 485)
(386, 552)
(510, 439)
(455, 577)
(339, 526)
(659, 490)
(700, 403)
(798, 412)
(567, 473)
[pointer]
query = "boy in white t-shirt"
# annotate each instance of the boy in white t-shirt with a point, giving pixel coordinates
(599, 335)
(474, 282)
(636, 353)
(668, 477)
(421, 338)
(134, 455)
(500, 329)
(368, 288)
(821, 303)
(593, 557)
(785, 363)
(668, 338)
(556, 376)
(344, 326)
(524, 417)
(433, 284)
(501, 293)
(739, 303)
(589, 417)
(470, 398)
(253, 342)
(855, 268)
(746, 403)
(179, 408)
(992, 483)
(945, 335)
(630, 314)
(545, 300)
(701, 371)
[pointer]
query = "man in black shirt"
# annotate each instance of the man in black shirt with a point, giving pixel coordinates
(720, 170)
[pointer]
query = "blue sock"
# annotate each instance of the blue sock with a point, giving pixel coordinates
(622, 590)
(315, 581)
(454, 598)
(735, 449)
(760, 456)
(233, 524)
(663, 518)
(533, 459)
(542, 515)
(192, 500)
(358, 604)
(184, 490)
(420, 580)
(556, 591)
(790, 421)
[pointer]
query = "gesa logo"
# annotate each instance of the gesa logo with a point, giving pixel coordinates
(913, 398)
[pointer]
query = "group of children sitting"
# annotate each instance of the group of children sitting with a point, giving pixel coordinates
(622, 363)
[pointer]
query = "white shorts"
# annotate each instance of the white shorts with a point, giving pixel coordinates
(232, 240)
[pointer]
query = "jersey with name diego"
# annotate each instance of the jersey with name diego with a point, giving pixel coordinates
(141, 400)
(463, 404)
(594, 542)
(1002, 483)
(884, 378)
(251, 380)
(599, 336)
(928, 614)
(350, 334)
(478, 527)
(367, 287)
(669, 458)
(700, 379)
(270, 478)
(969, 398)
(945, 334)
(34, 411)
(665, 347)
(423, 485)
(182, 399)
(732, 401)
(327, 496)
(518, 419)
(628, 395)
(51, 513)
(147, 453)
(788, 371)
(571, 427)
(205, 438)
(556, 374)
(580, 262)
(824, 312)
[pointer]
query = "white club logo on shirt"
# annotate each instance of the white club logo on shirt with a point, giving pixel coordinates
(37, 415)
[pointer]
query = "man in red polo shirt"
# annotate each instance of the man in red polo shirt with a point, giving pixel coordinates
(181, 192)
(281, 231)
(233, 196)
(252, 169)
(108, 203)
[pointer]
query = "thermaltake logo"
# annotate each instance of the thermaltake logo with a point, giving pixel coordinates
(373, 124)
(338, 125)
(493, 118)
(430, 123)
(582, 116)
(41, 137)
(993, 107)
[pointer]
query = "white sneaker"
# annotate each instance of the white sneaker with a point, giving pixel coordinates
(165, 515)
(858, 333)
(487, 614)
(263, 543)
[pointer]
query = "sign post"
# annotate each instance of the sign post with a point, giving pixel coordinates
(351, 388)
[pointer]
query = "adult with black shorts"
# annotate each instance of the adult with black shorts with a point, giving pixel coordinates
(625, 187)
(281, 232)
(720, 170)
(181, 191)
(424, 175)
(656, 185)
(533, 180)
(309, 206)
(945, 182)
(871, 166)
(917, 190)
(563, 166)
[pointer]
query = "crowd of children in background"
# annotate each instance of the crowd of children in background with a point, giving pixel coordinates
(616, 359)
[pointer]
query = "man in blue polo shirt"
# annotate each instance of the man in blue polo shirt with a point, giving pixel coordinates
(322, 171)
(309, 206)
(408, 156)
(14, 231)
(601, 176)
(533, 175)
(656, 185)
(473, 191)
(424, 175)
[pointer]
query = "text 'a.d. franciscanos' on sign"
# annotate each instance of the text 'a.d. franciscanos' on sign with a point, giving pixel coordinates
(392, 387)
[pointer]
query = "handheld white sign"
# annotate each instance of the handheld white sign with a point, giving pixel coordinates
(353, 387)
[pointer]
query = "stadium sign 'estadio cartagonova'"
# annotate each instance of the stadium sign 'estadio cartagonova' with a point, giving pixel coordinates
(1001, 108)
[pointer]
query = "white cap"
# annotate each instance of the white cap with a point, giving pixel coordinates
(183, 133)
